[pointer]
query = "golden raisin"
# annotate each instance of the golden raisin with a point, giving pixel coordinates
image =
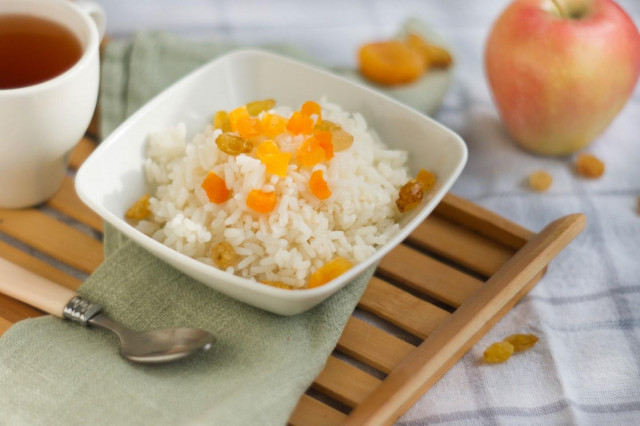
(426, 178)
(521, 342)
(215, 188)
(221, 121)
(233, 145)
(329, 271)
(223, 255)
(540, 180)
(498, 352)
(410, 195)
(340, 139)
(277, 284)
(434, 56)
(140, 209)
(390, 62)
(256, 107)
(327, 126)
(589, 166)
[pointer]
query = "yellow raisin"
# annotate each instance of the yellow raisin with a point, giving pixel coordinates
(410, 195)
(256, 107)
(223, 255)
(498, 352)
(540, 180)
(521, 342)
(221, 121)
(140, 209)
(277, 284)
(589, 166)
(341, 139)
(233, 144)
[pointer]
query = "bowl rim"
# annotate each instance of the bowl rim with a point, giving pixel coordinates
(248, 284)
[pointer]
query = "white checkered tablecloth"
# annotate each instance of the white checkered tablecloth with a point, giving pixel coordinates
(586, 367)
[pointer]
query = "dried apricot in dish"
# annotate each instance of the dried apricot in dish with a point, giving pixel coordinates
(589, 166)
(300, 123)
(272, 125)
(261, 201)
(223, 255)
(215, 188)
(434, 56)
(390, 62)
(318, 185)
(540, 180)
(310, 153)
(329, 271)
(521, 342)
(498, 352)
(340, 139)
(140, 209)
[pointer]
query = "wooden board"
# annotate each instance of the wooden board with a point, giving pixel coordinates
(444, 287)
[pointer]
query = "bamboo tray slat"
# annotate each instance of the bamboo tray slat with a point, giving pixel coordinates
(444, 287)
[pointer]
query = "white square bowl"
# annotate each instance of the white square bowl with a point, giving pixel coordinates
(113, 178)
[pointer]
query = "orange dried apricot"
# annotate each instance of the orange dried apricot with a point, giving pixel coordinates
(410, 195)
(310, 153)
(216, 189)
(310, 108)
(256, 107)
(521, 342)
(325, 141)
(241, 122)
(589, 166)
(340, 139)
(318, 185)
(390, 62)
(426, 178)
(328, 271)
(221, 121)
(261, 201)
(140, 209)
(300, 123)
(267, 147)
(434, 56)
(540, 180)
(277, 163)
(272, 124)
(233, 145)
(223, 255)
(498, 352)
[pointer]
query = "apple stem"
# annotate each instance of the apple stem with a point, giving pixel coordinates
(560, 9)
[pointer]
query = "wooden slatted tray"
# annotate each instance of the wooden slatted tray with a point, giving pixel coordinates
(452, 279)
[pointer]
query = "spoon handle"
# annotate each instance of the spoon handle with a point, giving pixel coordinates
(33, 289)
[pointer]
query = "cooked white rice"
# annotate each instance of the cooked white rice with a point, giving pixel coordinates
(303, 232)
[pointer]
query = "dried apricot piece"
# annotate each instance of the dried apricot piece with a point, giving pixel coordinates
(498, 352)
(223, 255)
(221, 121)
(410, 195)
(277, 284)
(277, 164)
(426, 178)
(540, 180)
(236, 115)
(300, 123)
(325, 141)
(256, 107)
(390, 62)
(241, 122)
(340, 139)
(589, 166)
(310, 153)
(521, 342)
(233, 145)
(261, 201)
(272, 124)
(267, 147)
(329, 271)
(140, 209)
(434, 56)
(216, 189)
(310, 108)
(318, 185)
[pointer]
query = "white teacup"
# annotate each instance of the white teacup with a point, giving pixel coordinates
(40, 124)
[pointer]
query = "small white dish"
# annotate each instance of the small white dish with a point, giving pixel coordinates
(112, 178)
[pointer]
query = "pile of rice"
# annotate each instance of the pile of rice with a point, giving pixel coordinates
(302, 233)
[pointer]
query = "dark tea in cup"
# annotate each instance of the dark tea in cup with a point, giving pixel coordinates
(34, 50)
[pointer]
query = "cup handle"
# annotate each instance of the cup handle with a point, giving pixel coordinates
(96, 13)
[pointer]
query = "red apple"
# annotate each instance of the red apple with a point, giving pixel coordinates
(560, 71)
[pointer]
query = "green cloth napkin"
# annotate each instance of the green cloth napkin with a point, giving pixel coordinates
(55, 372)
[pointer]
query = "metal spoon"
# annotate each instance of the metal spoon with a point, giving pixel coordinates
(152, 347)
